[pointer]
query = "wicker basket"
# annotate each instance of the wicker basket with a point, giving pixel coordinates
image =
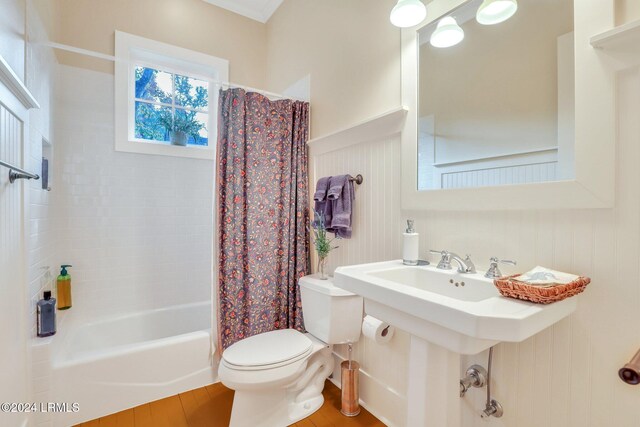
(509, 287)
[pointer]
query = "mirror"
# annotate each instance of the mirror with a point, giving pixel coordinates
(498, 108)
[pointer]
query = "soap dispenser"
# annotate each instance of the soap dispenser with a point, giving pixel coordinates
(64, 288)
(410, 245)
(46, 312)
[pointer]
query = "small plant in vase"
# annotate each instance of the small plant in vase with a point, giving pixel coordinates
(180, 126)
(322, 243)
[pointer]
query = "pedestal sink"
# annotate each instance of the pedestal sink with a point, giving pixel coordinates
(447, 314)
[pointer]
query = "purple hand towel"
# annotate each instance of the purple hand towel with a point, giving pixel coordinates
(336, 184)
(341, 194)
(322, 205)
(321, 189)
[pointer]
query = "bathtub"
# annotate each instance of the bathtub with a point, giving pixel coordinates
(119, 362)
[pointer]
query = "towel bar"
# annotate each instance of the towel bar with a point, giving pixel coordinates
(17, 173)
(358, 179)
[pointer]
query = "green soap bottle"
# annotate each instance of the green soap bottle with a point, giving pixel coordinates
(64, 288)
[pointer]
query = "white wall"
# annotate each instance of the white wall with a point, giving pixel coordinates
(565, 376)
(19, 24)
(14, 355)
(42, 255)
(376, 219)
(12, 34)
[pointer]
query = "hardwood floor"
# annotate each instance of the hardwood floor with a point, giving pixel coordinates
(210, 406)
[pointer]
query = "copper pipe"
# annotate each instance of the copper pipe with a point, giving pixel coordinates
(630, 373)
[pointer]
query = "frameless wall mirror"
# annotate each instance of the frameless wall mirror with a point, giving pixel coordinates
(496, 103)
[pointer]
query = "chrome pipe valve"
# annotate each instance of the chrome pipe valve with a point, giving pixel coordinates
(476, 377)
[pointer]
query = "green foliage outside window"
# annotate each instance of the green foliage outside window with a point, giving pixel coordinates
(170, 102)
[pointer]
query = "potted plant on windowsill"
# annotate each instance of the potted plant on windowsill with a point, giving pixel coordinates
(180, 127)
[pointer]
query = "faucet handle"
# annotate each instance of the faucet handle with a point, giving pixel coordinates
(493, 271)
(471, 267)
(445, 259)
(502, 261)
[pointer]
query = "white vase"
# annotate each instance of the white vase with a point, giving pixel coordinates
(178, 138)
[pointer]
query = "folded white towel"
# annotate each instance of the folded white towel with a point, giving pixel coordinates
(545, 277)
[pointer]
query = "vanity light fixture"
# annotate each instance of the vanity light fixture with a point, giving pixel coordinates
(407, 13)
(448, 33)
(493, 12)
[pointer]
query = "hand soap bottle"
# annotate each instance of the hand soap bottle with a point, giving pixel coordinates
(410, 245)
(64, 288)
(46, 312)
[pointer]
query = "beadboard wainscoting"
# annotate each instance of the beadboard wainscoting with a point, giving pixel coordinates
(565, 376)
(14, 337)
(383, 380)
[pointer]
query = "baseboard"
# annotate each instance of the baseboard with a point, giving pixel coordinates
(389, 392)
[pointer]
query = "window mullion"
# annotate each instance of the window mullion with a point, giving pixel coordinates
(173, 98)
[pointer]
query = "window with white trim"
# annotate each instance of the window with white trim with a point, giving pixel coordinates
(166, 98)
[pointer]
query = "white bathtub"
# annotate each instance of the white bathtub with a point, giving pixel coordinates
(123, 361)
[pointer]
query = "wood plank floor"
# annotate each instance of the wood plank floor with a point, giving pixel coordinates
(210, 406)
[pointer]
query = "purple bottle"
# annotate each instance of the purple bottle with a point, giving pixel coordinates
(46, 315)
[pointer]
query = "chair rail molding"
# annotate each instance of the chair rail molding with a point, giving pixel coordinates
(369, 130)
(11, 80)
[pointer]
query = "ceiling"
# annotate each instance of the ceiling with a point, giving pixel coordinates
(259, 10)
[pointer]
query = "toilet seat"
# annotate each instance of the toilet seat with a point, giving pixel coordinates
(268, 350)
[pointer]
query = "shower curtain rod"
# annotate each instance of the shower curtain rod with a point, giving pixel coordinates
(112, 58)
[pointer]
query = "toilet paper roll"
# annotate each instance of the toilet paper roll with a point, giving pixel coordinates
(377, 330)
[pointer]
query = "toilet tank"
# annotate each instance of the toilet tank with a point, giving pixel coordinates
(330, 314)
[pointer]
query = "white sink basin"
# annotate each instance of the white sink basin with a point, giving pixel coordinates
(463, 313)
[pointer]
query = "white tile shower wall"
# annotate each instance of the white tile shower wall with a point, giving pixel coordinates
(40, 69)
(40, 227)
(137, 228)
(566, 376)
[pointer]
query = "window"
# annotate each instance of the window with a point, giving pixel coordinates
(170, 106)
(166, 98)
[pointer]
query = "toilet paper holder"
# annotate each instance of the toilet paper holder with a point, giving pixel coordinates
(630, 373)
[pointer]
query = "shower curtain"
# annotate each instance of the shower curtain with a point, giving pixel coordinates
(263, 214)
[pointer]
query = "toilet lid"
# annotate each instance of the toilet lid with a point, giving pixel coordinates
(269, 348)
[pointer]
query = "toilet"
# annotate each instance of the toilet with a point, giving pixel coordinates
(278, 376)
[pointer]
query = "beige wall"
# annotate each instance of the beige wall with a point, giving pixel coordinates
(350, 50)
(496, 92)
(191, 24)
(627, 11)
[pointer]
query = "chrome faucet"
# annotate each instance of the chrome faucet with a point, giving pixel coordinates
(494, 271)
(465, 266)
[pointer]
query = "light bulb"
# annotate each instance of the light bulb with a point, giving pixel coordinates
(493, 12)
(447, 34)
(408, 13)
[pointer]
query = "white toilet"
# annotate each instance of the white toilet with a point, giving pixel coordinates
(278, 376)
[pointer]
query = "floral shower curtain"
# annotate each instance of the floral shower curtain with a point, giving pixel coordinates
(262, 213)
